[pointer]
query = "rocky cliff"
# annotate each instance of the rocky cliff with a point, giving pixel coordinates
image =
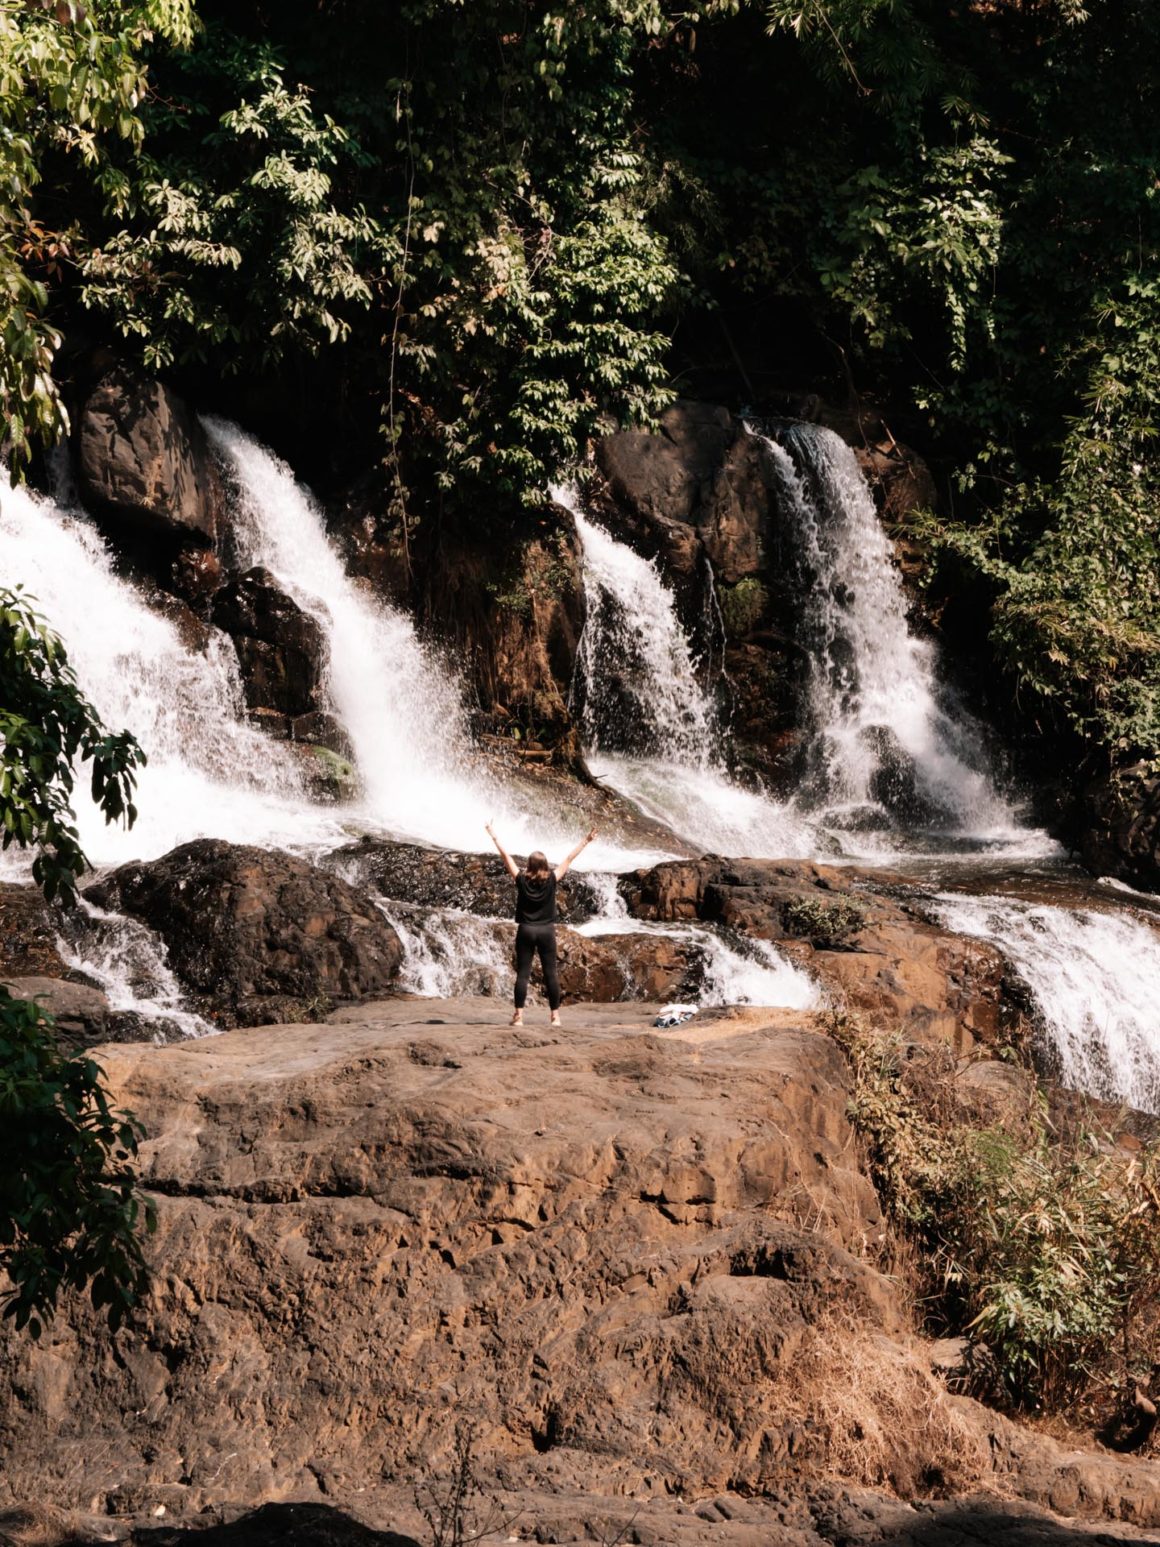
(642, 1269)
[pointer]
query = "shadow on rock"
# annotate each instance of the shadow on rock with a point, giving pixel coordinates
(276, 1525)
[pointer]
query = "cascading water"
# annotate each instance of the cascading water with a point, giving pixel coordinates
(209, 773)
(449, 953)
(130, 965)
(1095, 980)
(399, 706)
(647, 723)
(888, 754)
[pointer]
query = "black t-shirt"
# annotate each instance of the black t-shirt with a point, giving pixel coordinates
(536, 900)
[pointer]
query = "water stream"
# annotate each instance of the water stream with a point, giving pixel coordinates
(648, 723)
(894, 762)
(1095, 980)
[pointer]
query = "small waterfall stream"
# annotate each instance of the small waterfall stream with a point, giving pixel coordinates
(648, 725)
(1095, 980)
(892, 760)
(209, 772)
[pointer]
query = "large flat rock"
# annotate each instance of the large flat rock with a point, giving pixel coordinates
(639, 1266)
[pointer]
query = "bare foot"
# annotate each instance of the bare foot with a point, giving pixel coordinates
(555, 1021)
(518, 1018)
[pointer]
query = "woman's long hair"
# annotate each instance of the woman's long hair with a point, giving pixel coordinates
(538, 866)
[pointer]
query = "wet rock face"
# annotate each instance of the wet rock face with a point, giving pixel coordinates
(281, 651)
(255, 934)
(142, 457)
(446, 878)
(29, 932)
(1120, 832)
(702, 472)
(513, 612)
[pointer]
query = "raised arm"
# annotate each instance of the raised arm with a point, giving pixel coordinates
(562, 867)
(513, 869)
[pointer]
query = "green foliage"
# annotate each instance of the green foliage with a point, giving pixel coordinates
(743, 606)
(69, 1209)
(829, 924)
(489, 219)
(997, 246)
(234, 247)
(71, 82)
(1045, 1248)
(46, 724)
(481, 214)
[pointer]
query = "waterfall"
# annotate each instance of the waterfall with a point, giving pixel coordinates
(1095, 981)
(888, 750)
(131, 966)
(639, 674)
(209, 773)
(399, 705)
(648, 725)
(449, 953)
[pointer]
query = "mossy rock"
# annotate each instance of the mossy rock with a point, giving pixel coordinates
(828, 924)
(330, 778)
(743, 606)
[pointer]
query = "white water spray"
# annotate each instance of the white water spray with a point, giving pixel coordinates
(1095, 979)
(450, 953)
(400, 707)
(132, 967)
(648, 725)
(209, 773)
(738, 971)
(887, 750)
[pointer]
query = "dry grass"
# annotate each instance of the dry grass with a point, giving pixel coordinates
(883, 1418)
(41, 1525)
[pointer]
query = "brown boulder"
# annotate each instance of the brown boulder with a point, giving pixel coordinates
(29, 932)
(640, 1267)
(702, 472)
(81, 1013)
(891, 965)
(143, 457)
(526, 664)
(371, 1228)
(667, 475)
(256, 934)
(281, 650)
(605, 968)
(902, 486)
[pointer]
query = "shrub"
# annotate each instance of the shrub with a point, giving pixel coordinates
(1041, 1245)
(742, 606)
(828, 925)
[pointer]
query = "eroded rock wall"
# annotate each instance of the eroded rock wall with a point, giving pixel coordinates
(641, 1267)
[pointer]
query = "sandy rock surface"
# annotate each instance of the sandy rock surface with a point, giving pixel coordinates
(639, 1266)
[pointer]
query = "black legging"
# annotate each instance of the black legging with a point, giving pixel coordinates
(531, 938)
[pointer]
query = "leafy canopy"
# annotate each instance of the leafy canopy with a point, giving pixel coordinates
(72, 80)
(487, 230)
